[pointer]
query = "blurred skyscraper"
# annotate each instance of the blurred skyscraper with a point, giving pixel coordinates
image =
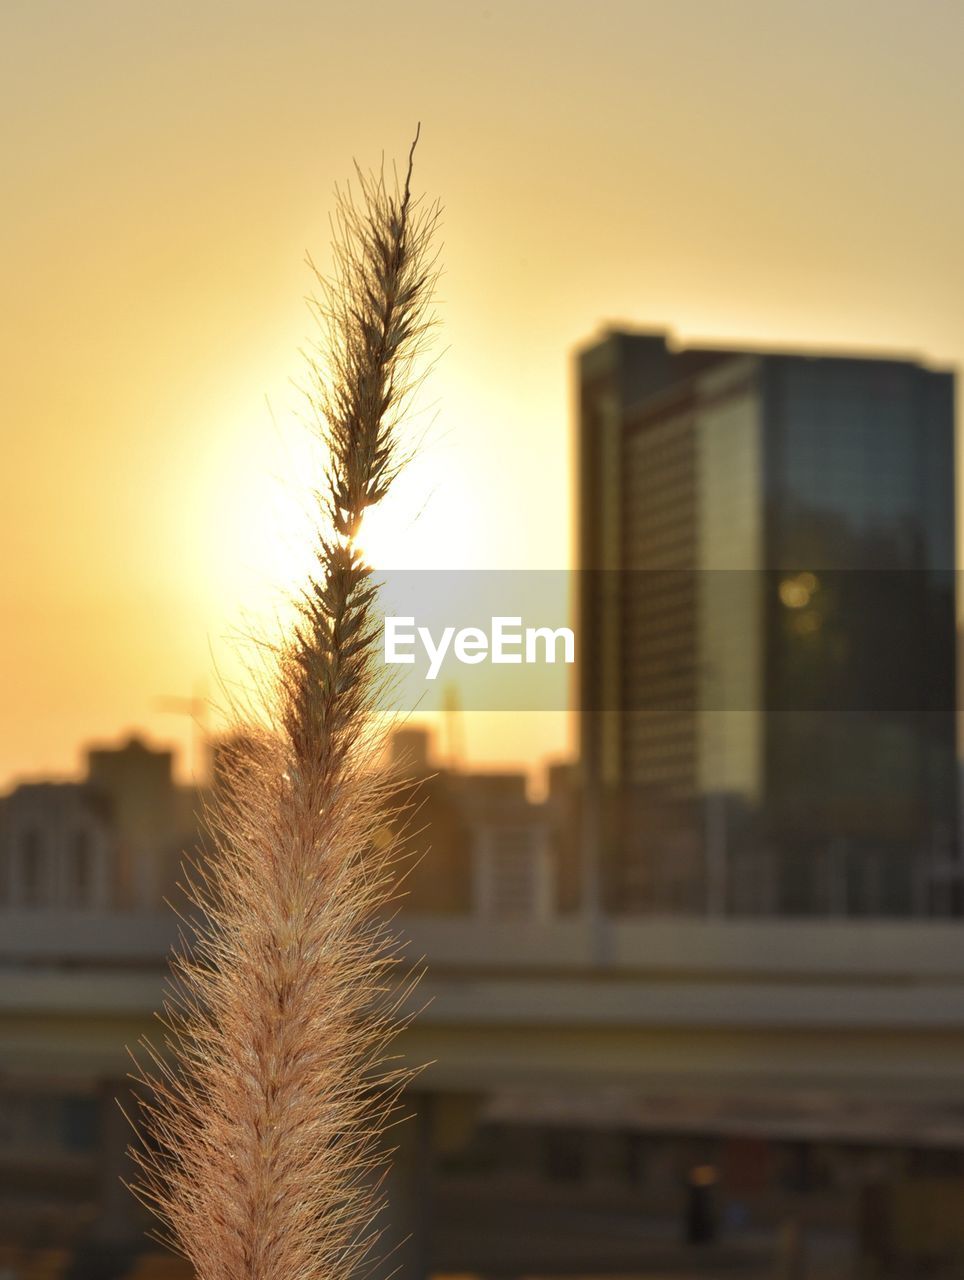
(767, 630)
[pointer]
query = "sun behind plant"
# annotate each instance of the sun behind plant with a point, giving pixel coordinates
(263, 1108)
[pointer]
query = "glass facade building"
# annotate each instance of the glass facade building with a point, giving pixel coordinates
(767, 680)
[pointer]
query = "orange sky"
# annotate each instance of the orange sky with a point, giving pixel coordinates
(778, 172)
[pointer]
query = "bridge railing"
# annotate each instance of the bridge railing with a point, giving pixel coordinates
(863, 949)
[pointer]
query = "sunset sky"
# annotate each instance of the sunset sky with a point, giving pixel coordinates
(743, 171)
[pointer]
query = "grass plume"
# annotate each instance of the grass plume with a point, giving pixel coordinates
(263, 1108)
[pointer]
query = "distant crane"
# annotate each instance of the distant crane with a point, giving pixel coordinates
(198, 708)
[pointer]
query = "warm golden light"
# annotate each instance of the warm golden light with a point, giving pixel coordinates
(147, 485)
(380, 540)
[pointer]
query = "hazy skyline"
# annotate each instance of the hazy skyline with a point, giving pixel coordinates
(746, 172)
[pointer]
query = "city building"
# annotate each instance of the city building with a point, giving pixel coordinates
(475, 844)
(84, 869)
(115, 839)
(614, 1096)
(767, 630)
(57, 847)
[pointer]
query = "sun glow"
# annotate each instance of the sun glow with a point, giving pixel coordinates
(375, 539)
(410, 530)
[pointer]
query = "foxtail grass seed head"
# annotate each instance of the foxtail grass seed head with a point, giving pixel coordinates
(262, 1108)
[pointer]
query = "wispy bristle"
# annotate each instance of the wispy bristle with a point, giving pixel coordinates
(264, 1106)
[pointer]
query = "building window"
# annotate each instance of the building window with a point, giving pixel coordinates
(33, 1124)
(80, 1123)
(79, 869)
(513, 873)
(565, 1155)
(32, 868)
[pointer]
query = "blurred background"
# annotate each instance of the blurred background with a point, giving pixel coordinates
(694, 1001)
